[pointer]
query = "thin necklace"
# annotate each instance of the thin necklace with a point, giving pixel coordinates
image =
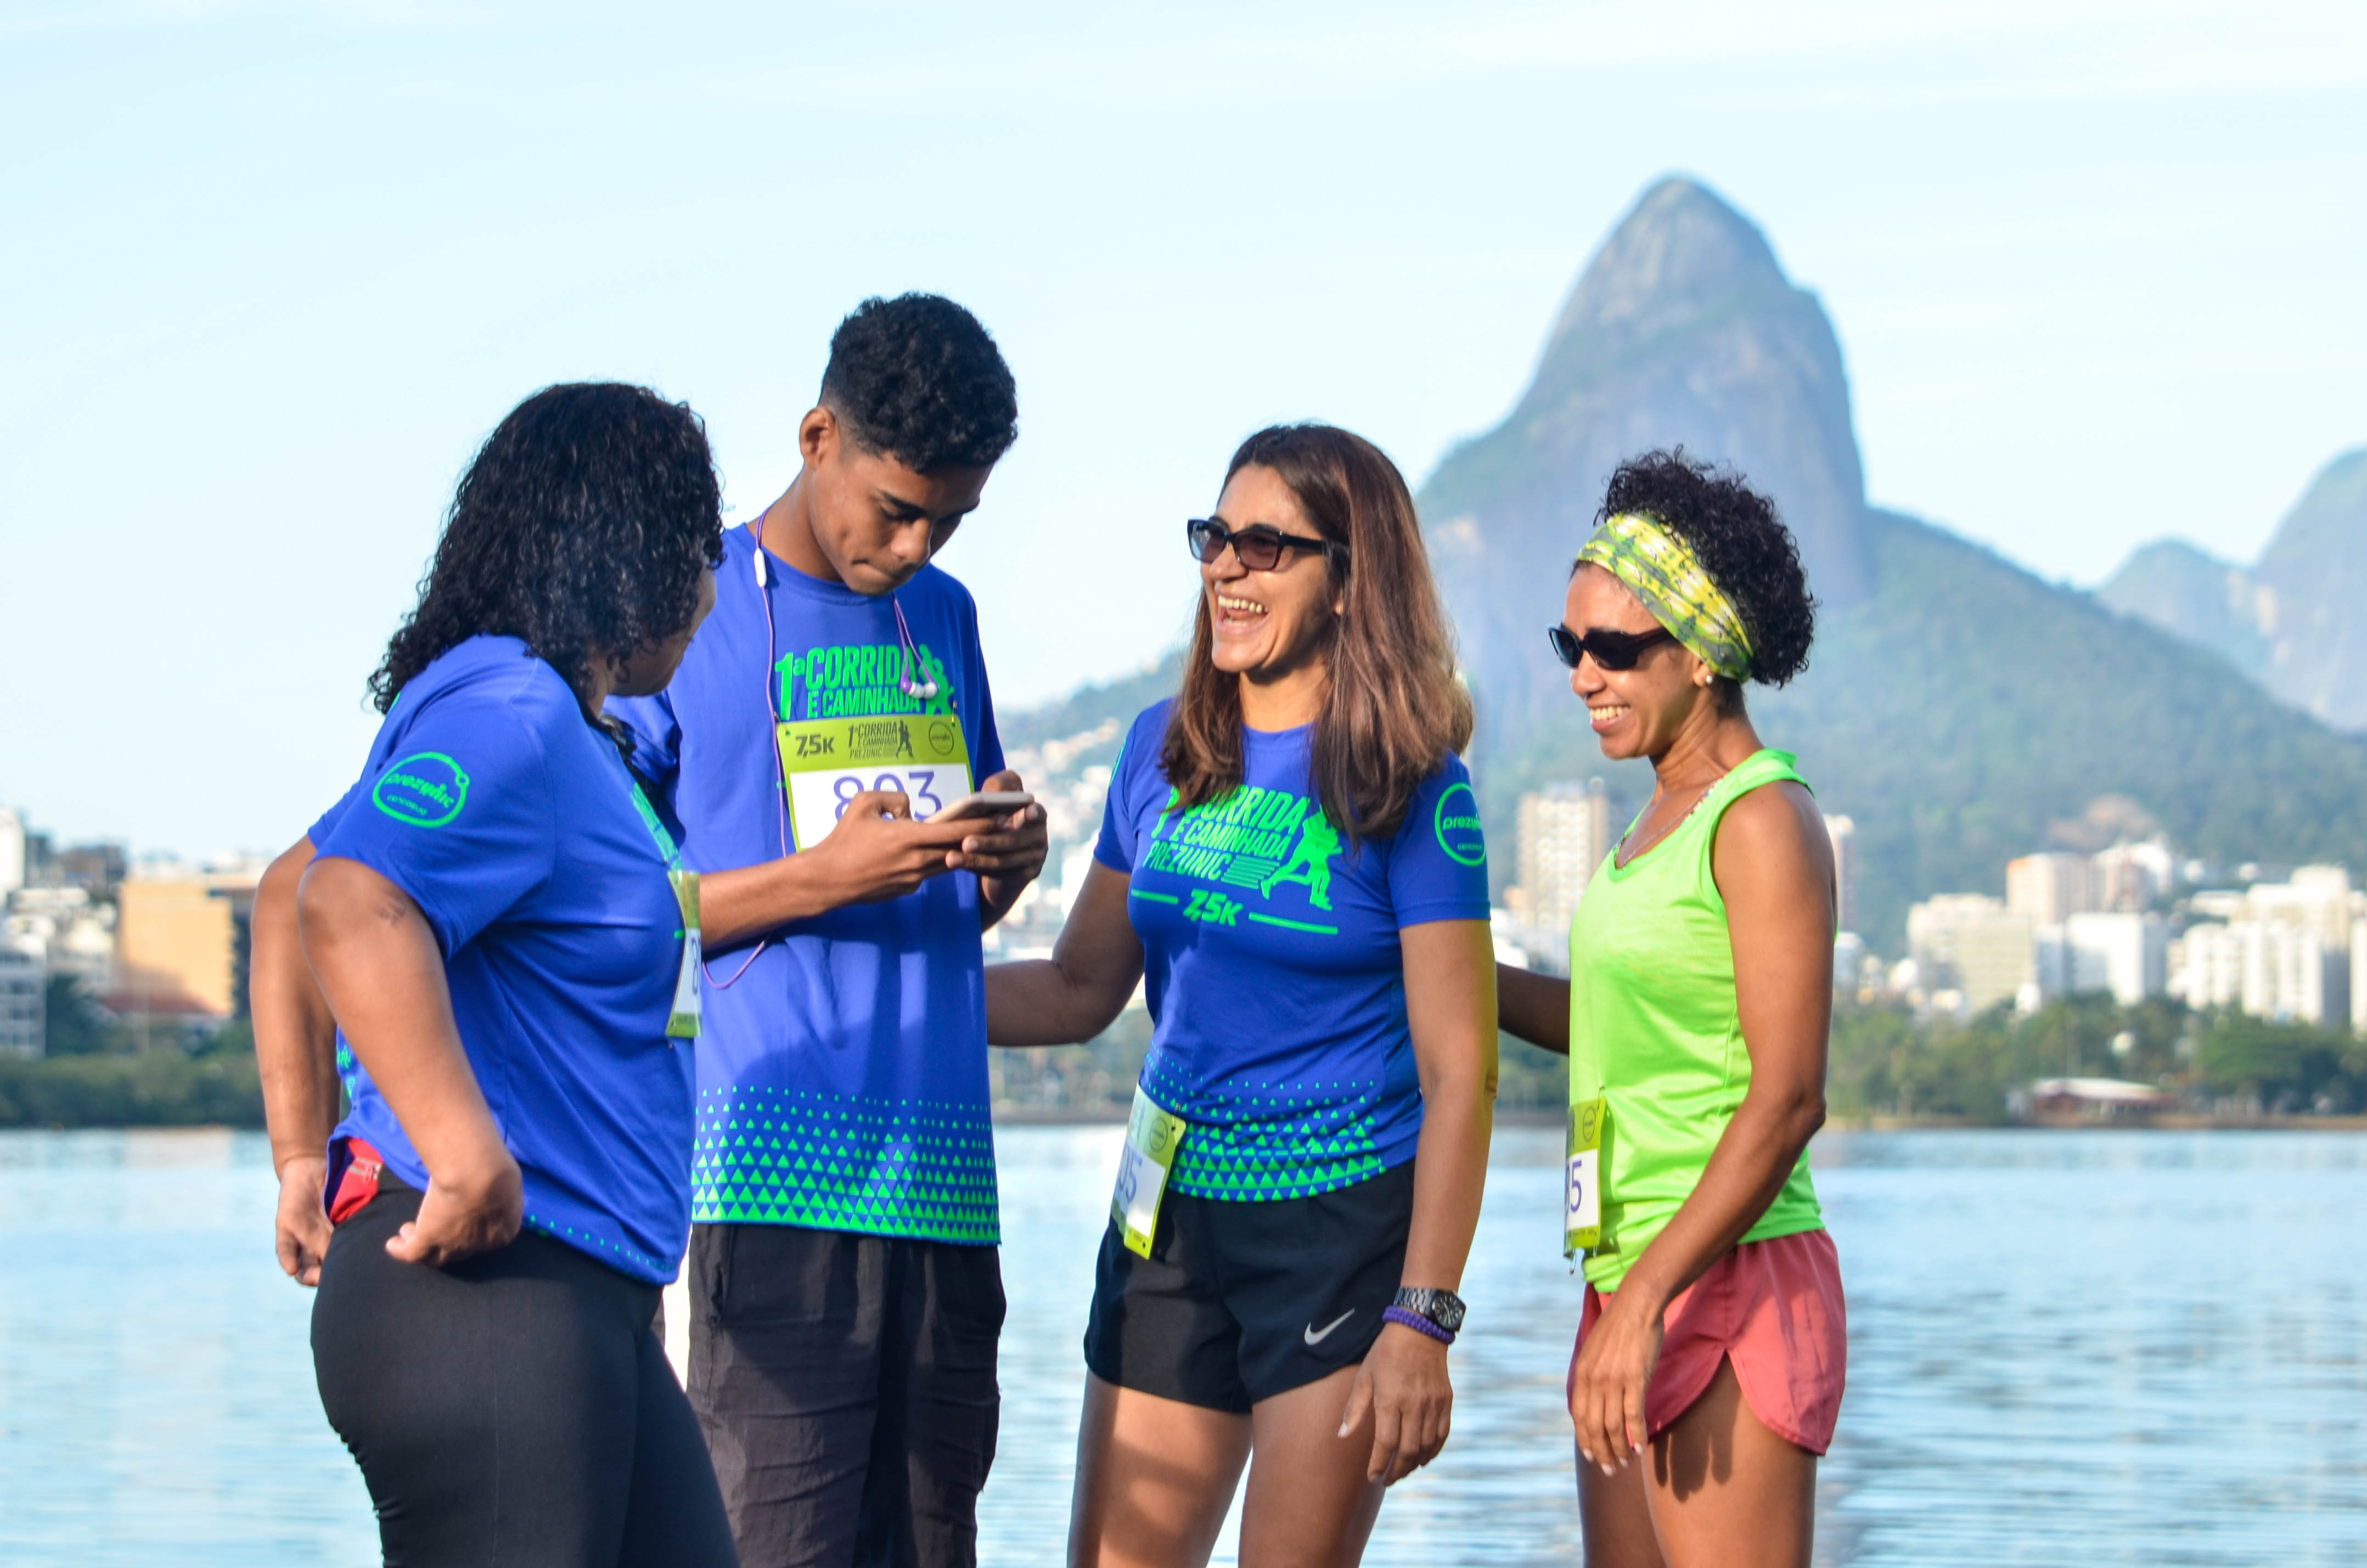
(1653, 842)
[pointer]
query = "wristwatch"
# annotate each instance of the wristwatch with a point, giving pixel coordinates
(1444, 1308)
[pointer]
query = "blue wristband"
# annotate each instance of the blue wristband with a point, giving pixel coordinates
(1417, 1322)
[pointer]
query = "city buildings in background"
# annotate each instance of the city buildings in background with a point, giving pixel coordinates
(2113, 922)
(1843, 831)
(1560, 834)
(2289, 951)
(1966, 952)
(154, 943)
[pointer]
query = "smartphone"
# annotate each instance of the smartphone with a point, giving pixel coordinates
(985, 803)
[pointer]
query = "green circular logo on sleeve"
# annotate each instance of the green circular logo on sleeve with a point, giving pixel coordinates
(1458, 822)
(425, 790)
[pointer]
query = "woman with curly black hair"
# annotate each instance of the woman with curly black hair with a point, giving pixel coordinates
(501, 934)
(1694, 1018)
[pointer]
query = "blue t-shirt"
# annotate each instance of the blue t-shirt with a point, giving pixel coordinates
(511, 823)
(1271, 963)
(842, 1070)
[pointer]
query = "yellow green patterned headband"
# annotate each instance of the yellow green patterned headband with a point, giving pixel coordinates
(1662, 570)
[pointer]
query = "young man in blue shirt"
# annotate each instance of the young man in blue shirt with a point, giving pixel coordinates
(845, 1288)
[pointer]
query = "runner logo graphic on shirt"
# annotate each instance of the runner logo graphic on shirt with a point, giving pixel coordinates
(1318, 842)
(425, 790)
(1255, 839)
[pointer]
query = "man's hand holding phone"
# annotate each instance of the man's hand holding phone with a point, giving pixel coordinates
(1006, 844)
(878, 851)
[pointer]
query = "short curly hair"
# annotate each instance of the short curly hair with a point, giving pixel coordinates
(581, 528)
(1742, 544)
(917, 378)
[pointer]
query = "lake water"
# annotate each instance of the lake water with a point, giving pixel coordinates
(2065, 1348)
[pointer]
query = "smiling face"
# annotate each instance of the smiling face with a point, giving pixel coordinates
(875, 521)
(1268, 626)
(1637, 712)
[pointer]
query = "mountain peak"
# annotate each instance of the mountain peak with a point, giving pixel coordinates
(1679, 249)
(1681, 331)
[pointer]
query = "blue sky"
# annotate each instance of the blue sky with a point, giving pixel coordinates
(272, 270)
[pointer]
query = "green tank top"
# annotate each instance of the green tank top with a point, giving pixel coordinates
(1654, 1031)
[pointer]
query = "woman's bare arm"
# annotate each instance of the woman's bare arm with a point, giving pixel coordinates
(1534, 1007)
(296, 1052)
(1082, 988)
(378, 965)
(1450, 982)
(1773, 866)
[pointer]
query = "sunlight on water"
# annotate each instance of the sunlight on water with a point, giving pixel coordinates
(2110, 1347)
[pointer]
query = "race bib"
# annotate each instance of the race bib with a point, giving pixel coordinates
(1582, 1191)
(1152, 1136)
(683, 1023)
(826, 763)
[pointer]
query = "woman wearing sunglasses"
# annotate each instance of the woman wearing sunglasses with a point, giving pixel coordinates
(1701, 991)
(1291, 862)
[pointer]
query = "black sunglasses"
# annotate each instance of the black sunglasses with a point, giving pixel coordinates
(1612, 649)
(1259, 547)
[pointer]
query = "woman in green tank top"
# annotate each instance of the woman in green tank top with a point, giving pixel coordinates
(1695, 1018)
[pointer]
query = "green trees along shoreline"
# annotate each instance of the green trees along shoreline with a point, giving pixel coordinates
(1886, 1064)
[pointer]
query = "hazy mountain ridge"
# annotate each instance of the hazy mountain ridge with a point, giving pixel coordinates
(2297, 621)
(1962, 711)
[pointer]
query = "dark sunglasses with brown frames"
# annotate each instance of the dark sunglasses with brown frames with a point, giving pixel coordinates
(1258, 547)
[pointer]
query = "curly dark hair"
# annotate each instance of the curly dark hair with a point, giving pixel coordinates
(1742, 544)
(582, 526)
(916, 377)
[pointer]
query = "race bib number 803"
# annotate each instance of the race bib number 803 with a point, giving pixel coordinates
(827, 761)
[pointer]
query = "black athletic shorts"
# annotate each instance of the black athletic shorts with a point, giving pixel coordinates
(1240, 1301)
(514, 1408)
(846, 1387)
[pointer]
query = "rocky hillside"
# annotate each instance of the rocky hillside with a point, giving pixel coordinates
(1960, 708)
(1681, 330)
(2297, 621)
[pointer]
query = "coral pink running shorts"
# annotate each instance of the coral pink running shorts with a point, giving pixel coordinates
(1772, 1308)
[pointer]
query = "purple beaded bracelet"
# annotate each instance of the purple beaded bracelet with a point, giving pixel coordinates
(1417, 1322)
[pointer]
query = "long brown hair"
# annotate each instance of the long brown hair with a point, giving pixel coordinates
(1393, 709)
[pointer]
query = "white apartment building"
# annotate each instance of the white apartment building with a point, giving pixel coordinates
(1563, 831)
(2289, 951)
(1972, 945)
(2359, 975)
(22, 990)
(1843, 831)
(12, 851)
(2052, 887)
(2049, 888)
(2118, 950)
(73, 936)
(2130, 875)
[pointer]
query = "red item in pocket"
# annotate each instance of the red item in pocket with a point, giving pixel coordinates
(360, 1183)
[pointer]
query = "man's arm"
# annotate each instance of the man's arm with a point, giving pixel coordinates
(877, 852)
(296, 1051)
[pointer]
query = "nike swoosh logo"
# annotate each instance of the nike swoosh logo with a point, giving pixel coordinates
(1318, 1335)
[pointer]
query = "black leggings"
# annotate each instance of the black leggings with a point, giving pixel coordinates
(513, 1409)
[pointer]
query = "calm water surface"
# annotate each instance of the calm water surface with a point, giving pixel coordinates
(2065, 1348)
